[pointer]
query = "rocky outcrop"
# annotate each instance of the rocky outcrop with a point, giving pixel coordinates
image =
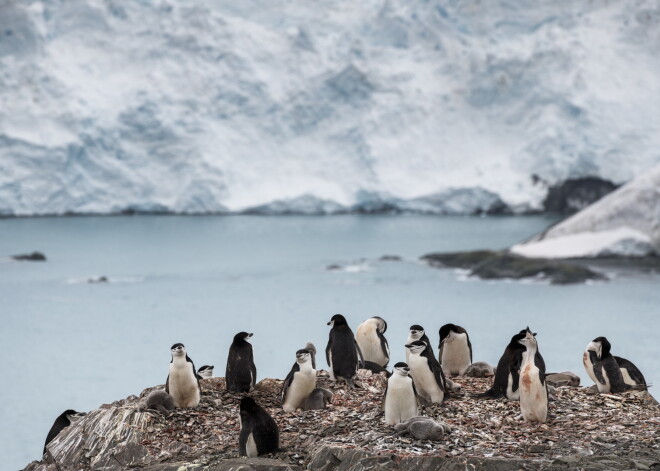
(575, 194)
(30, 257)
(588, 431)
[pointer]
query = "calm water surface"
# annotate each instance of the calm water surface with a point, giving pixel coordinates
(199, 280)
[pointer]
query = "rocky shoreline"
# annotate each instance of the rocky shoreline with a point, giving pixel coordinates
(583, 431)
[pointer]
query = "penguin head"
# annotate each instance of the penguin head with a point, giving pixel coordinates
(416, 332)
(401, 368)
(242, 337)
(600, 345)
(205, 371)
(381, 324)
(71, 415)
(416, 347)
(337, 319)
(178, 350)
(303, 356)
(529, 338)
(449, 330)
(248, 406)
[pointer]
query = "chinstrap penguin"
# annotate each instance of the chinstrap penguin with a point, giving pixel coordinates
(455, 349)
(373, 344)
(426, 373)
(415, 333)
(259, 433)
(205, 371)
(318, 399)
(182, 382)
(342, 353)
(299, 383)
(604, 369)
(62, 421)
(533, 390)
(241, 374)
(400, 401)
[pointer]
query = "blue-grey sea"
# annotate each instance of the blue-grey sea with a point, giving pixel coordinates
(199, 280)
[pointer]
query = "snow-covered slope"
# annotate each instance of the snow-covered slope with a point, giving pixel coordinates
(625, 222)
(331, 105)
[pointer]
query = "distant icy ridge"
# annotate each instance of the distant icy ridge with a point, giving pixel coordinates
(625, 222)
(438, 106)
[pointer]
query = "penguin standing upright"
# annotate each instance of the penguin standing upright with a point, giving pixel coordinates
(533, 390)
(259, 433)
(507, 373)
(415, 333)
(426, 373)
(606, 372)
(400, 401)
(455, 349)
(241, 375)
(342, 352)
(299, 383)
(372, 343)
(63, 420)
(182, 382)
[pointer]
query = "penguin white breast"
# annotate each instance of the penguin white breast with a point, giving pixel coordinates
(424, 378)
(251, 447)
(369, 342)
(304, 382)
(626, 377)
(455, 354)
(400, 402)
(533, 395)
(183, 384)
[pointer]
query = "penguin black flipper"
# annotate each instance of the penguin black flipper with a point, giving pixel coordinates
(359, 354)
(598, 367)
(167, 384)
(514, 371)
(613, 372)
(289, 379)
(632, 370)
(193, 368)
(540, 364)
(436, 369)
(327, 349)
(383, 344)
(429, 349)
(253, 369)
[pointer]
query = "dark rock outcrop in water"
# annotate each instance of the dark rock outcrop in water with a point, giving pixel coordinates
(492, 265)
(590, 431)
(30, 257)
(576, 194)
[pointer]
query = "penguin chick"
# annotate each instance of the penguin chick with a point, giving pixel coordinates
(157, 400)
(318, 399)
(480, 369)
(423, 428)
(565, 378)
(309, 346)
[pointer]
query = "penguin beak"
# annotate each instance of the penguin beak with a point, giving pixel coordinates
(409, 345)
(331, 323)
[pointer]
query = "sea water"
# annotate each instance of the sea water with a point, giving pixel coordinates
(68, 343)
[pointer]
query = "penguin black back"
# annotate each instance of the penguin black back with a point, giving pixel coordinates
(241, 374)
(509, 364)
(259, 433)
(342, 352)
(60, 424)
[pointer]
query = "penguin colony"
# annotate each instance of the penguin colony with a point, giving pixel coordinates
(412, 385)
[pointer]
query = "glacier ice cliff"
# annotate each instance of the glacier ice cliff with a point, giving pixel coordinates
(271, 107)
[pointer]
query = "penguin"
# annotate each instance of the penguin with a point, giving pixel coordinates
(318, 399)
(565, 378)
(205, 371)
(63, 420)
(400, 401)
(604, 369)
(631, 374)
(533, 390)
(373, 344)
(259, 433)
(182, 382)
(241, 374)
(309, 346)
(455, 349)
(423, 428)
(158, 400)
(416, 332)
(480, 369)
(342, 352)
(299, 383)
(426, 373)
(507, 373)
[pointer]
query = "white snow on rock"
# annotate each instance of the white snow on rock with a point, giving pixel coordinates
(625, 222)
(216, 106)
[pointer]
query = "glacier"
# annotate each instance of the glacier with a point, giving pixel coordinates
(441, 107)
(624, 223)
